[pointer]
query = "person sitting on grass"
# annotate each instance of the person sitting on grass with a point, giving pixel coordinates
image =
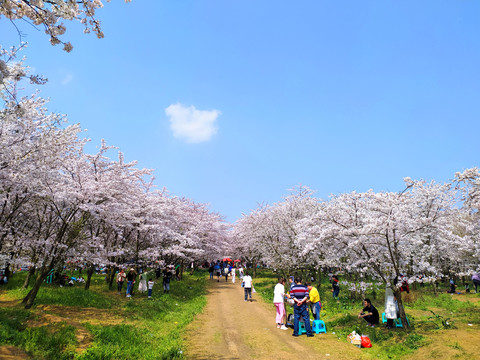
(369, 313)
(452, 286)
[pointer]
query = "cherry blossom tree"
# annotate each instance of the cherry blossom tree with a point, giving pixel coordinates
(32, 143)
(274, 233)
(468, 183)
(48, 14)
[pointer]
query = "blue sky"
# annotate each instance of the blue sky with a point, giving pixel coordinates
(338, 96)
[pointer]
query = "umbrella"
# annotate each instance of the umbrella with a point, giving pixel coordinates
(238, 260)
(226, 259)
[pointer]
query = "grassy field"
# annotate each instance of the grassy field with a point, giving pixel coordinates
(71, 323)
(443, 326)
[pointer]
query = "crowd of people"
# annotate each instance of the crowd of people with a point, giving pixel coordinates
(145, 282)
(305, 298)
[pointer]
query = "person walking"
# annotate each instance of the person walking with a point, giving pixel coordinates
(150, 287)
(217, 271)
(121, 276)
(233, 275)
(299, 294)
(247, 286)
(278, 301)
(210, 271)
(226, 272)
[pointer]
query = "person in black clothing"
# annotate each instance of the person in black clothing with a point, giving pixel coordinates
(369, 313)
(335, 287)
(210, 270)
(131, 276)
(167, 276)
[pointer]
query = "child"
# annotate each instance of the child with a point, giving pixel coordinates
(150, 287)
(335, 287)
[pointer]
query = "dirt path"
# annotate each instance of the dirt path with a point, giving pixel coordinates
(231, 328)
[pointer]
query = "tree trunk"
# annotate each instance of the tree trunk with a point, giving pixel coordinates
(401, 309)
(90, 271)
(32, 294)
(112, 270)
(319, 277)
(30, 273)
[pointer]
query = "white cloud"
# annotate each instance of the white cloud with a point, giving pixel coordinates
(192, 125)
(67, 79)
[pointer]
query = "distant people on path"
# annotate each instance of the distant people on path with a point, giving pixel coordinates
(369, 313)
(121, 276)
(217, 271)
(226, 272)
(476, 281)
(278, 300)
(247, 286)
(167, 276)
(150, 287)
(240, 272)
(131, 276)
(315, 304)
(142, 285)
(335, 287)
(211, 268)
(299, 294)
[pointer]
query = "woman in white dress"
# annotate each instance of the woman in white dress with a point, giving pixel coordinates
(142, 286)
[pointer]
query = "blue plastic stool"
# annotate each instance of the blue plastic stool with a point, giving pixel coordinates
(301, 328)
(318, 326)
(398, 322)
(384, 318)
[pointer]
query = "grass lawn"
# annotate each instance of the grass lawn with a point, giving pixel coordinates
(71, 323)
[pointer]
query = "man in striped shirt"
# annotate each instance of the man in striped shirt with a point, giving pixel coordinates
(299, 294)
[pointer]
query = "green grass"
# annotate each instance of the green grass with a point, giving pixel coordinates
(55, 341)
(445, 301)
(154, 327)
(125, 342)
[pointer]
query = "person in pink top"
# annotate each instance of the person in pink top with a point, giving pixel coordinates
(278, 300)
